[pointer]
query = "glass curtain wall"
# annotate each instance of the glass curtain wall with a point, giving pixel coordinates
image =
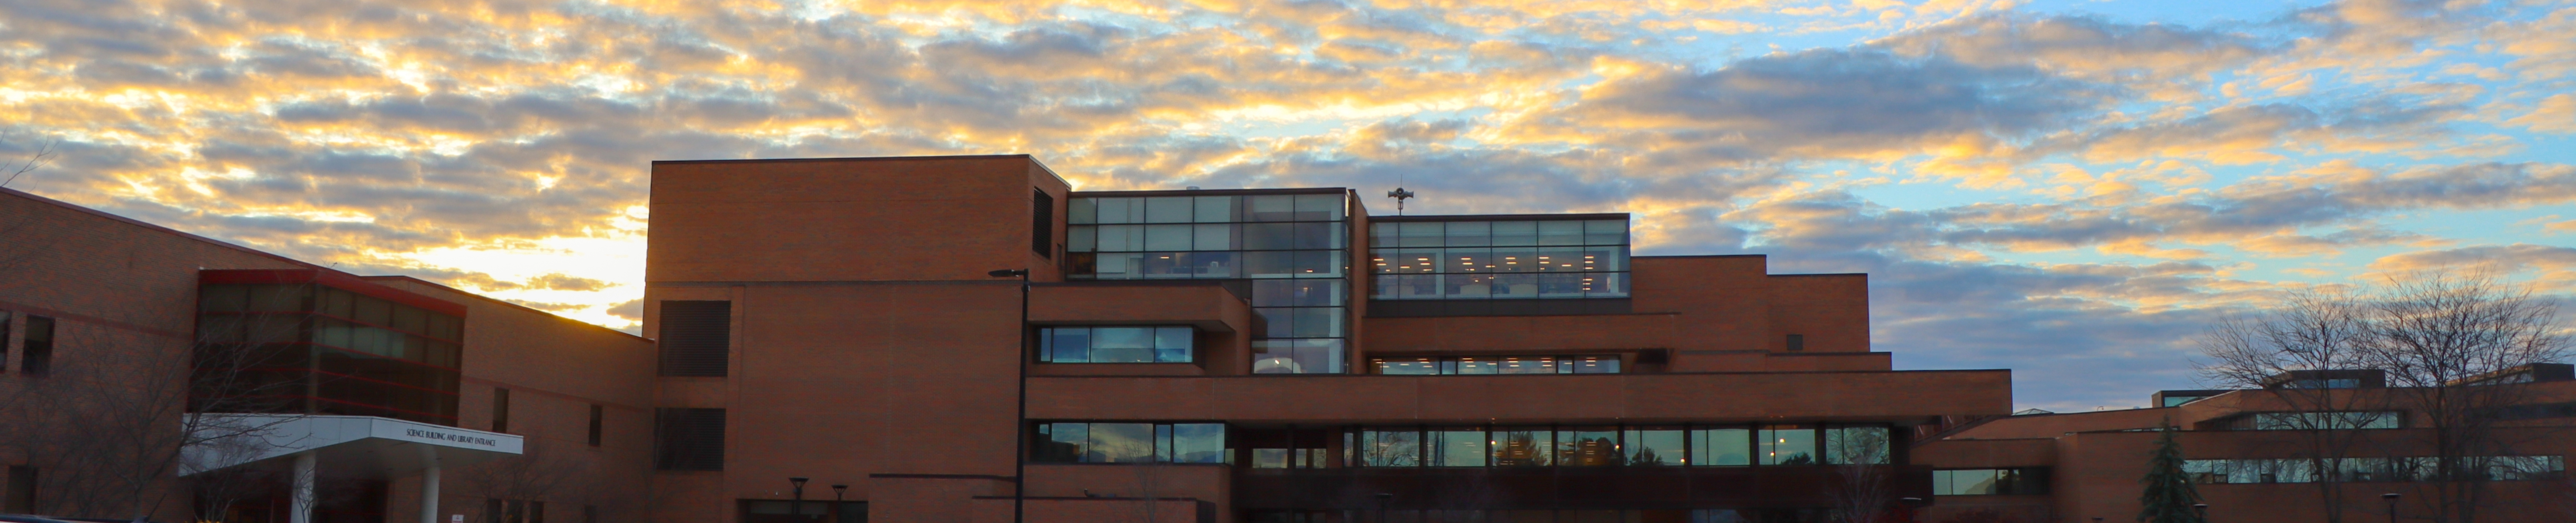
(303, 348)
(1611, 445)
(1290, 250)
(1499, 260)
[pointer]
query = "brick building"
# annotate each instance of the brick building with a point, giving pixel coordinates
(933, 339)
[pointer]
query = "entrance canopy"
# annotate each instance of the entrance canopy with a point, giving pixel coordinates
(349, 446)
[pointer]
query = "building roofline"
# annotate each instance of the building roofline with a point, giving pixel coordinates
(1500, 217)
(1213, 192)
(1819, 274)
(1681, 256)
(848, 159)
(502, 302)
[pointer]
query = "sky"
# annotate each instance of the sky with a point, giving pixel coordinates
(2072, 189)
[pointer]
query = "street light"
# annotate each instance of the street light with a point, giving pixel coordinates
(2203, 510)
(837, 504)
(797, 507)
(1020, 421)
(1383, 498)
(2392, 506)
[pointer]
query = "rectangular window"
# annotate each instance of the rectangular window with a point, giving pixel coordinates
(1448, 365)
(1160, 344)
(1797, 342)
(1131, 442)
(1289, 249)
(1459, 447)
(1523, 447)
(501, 410)
(1725, 447)
(598, 414)
(1861, 445)
(36, 351)
(2319, 420)
(21, 497)
(1786, 445)
(1042, 223)
(1476, 260)
(1390, 448)
(1587, 447)
(4, 340)
(697, 337)
(1655, 446)
(1990, 482)
(2297, 470)
(688, 439)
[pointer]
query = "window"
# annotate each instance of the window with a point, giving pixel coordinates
(4, 340)
(1475, 260)
(1797, 342)
(812, 511)
(597, 415)
(1597, 446)
(1166, 344)
(2318, 420)
(1786, 445)
(1290, 250)
(1856, 445)
(513, 511)
(305, 348)
(1655, 446)
(36, 351)
(1128, 442)
(1990, 482)
(1447, 365)
(500, 410)
(697, 337)
(688, 439)
(21, 497)
(1042, 223)
(2300, 470)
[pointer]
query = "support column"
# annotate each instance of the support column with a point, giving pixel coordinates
(300, 505)
(429, 486)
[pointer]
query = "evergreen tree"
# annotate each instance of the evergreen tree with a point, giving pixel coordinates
(2169, 494)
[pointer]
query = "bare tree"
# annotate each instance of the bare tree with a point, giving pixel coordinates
(537, 475)
(2448, 343)
(117, 427)
(2307, 332)
(44, 155)
(1861, 493)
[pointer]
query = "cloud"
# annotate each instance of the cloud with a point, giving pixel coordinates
(1812, 104)
(2554, 266)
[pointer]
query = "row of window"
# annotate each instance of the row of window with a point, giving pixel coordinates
(1498, 233)
(1167, 344)
(2318, 420)
(1207, 209)
(329, 301)
(1570, 285)
(1303, 236)
(1990, 482)
(1205, 265)
(2296, 470)
(1505, 446)
(1298, 356)
(1089, 442)
(1448, 365)
(1489, 260)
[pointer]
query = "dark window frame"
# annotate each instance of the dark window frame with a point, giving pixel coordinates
(598, 415)
(688, 439)
(696, 338)
(501, 410)
(1042, 223)
(36, 346)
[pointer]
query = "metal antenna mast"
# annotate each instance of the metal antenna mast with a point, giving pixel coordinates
(1399, 194)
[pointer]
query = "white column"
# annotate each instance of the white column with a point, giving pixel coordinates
(429, 486)
(300, 506)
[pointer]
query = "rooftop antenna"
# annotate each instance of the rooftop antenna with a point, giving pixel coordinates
(1399, 194)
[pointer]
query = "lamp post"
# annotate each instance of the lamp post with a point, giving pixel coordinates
(797, 508)
(837, 504)
(1020, 420)
(2202, 509)
(1383, 498)
(2392, 505)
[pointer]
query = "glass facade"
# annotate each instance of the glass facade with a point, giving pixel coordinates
(1990, 482)
(1128, 442)
(1449, 365)
(1611, 445)
(1516, 259)
(306, 348)
(2300, 470)
(1290, 250)
(1164, 344)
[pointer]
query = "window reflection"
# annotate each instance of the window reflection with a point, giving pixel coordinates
(1129, 442)
(1495, 260)
(1458, 447)
(1458, 365)
(1587, 447)
(1611, 445)
(1523, 447)
(1297, 240)
(1654, 446)
(1160, 344)
(1786, 445)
